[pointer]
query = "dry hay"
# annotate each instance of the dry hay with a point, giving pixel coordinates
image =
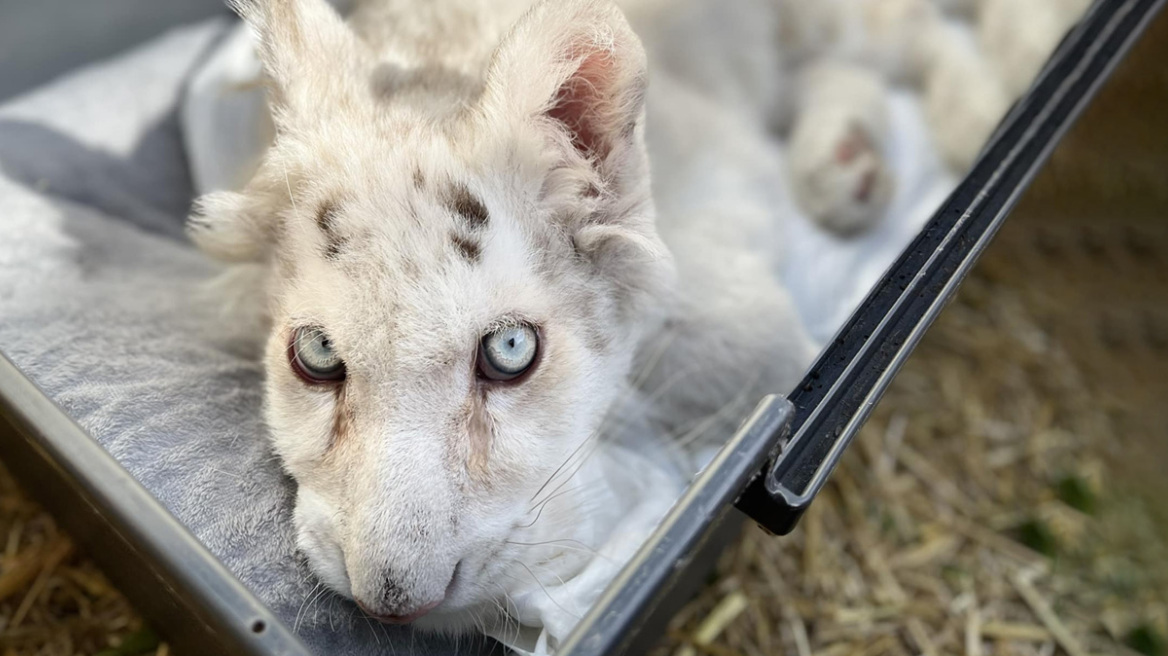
(52, 602)
(977, 513)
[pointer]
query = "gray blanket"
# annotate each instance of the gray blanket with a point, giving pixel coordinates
(100, 305)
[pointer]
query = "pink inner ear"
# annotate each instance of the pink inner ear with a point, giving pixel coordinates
(584, 104)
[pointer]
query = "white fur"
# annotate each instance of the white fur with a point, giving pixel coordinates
(1018, 37)
(964, 98)
(837, 148)
(848, 52)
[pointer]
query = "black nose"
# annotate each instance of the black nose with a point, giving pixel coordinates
(396, 605)
(393, 595)
(400, 619)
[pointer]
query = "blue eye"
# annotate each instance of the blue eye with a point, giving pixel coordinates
(508, 353)
(313, 357)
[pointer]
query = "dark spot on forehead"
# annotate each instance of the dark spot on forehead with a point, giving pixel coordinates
(468, 248)
(327, 219)
(468, 208)
(326, 216)
(419, 179)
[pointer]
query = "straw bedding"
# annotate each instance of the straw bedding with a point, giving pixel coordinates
(982, 511)
(53, 601)
(1002, 499)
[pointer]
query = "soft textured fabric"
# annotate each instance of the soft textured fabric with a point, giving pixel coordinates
(103, 304)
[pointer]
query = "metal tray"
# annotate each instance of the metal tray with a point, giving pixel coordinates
(770, 470)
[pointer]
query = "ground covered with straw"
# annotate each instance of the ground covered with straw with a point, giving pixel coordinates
(54, 602)
(981, 511)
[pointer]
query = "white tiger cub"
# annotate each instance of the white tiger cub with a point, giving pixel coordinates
(469, 283)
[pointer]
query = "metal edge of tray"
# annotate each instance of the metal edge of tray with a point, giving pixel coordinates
(660, 569)
(623, 620)
(186, 594)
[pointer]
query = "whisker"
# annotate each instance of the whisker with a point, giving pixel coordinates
(518, 624)
(372, 631)
(553, 572)
(319, 592)
(543, 504)
(348, 620)
(610, 412)
(721, 413)
(668, 384)
(562, 465)
(578, 467)
(581, 546)
(505, 614)
(388, 638)
(457, 637)
(532, 523)
(590, 552)
(291, 198)
(545, 591)
(304, 604)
